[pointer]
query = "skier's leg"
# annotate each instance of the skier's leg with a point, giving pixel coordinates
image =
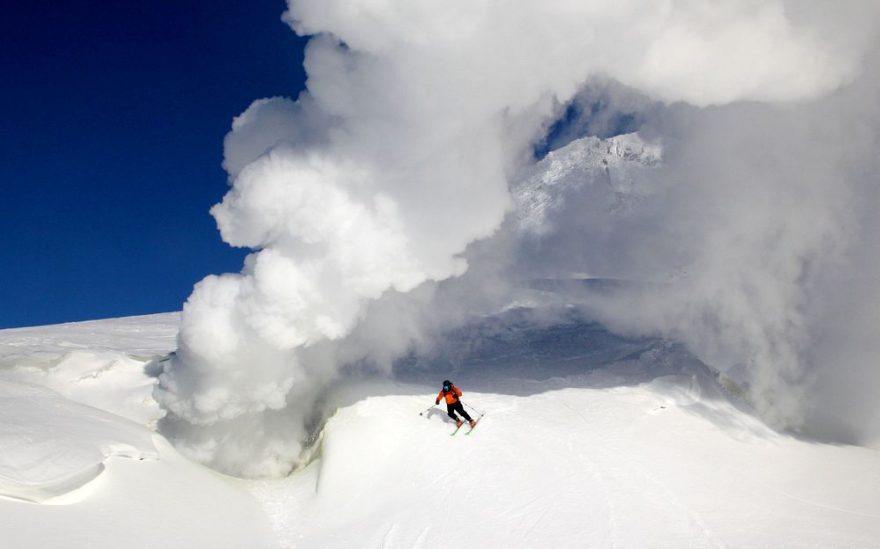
(450, 411)
(459, 407)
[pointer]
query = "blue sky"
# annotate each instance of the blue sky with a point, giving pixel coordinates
(113, 118)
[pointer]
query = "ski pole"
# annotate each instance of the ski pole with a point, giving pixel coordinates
(426, 411)
(474, 409)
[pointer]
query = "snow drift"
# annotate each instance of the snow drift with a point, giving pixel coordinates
(389, 179)
(52, 446)
(74, 396)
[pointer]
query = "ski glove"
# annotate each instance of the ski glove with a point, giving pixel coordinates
(437, 402)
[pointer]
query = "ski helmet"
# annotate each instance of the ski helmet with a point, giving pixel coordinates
(447, 384)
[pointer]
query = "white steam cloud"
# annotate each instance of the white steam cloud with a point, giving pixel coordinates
(365, 192)
(759, 237)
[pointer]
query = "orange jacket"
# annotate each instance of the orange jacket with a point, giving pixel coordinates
(451, 396)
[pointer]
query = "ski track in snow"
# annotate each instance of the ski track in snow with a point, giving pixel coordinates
(812, 503)
(622, 472)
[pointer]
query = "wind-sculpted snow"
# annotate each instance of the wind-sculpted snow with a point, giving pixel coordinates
(108, 364)
(51, 445)
(74, 395)
(376, 202)
(78, 438)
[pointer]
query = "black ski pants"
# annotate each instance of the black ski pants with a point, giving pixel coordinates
(457, 407)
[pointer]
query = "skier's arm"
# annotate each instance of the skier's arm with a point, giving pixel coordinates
(439, 396)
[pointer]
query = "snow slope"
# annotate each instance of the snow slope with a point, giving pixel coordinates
(106, 364)
(589, 440)
(650, 465)
(76, 437)
(144, 336)
(618, 165)
(52, 445)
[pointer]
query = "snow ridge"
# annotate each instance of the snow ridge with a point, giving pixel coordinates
(619, 162)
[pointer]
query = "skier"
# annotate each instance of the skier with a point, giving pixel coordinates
(451, 393)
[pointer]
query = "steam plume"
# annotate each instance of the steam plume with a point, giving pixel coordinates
(372, 184)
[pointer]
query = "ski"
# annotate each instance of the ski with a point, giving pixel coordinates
(452, 434)
(471, 430)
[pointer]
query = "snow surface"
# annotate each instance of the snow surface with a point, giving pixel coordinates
(589, 440)
(620, 163)
(107, 364)
(651, 465)
(52, 445)
(77, 437)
